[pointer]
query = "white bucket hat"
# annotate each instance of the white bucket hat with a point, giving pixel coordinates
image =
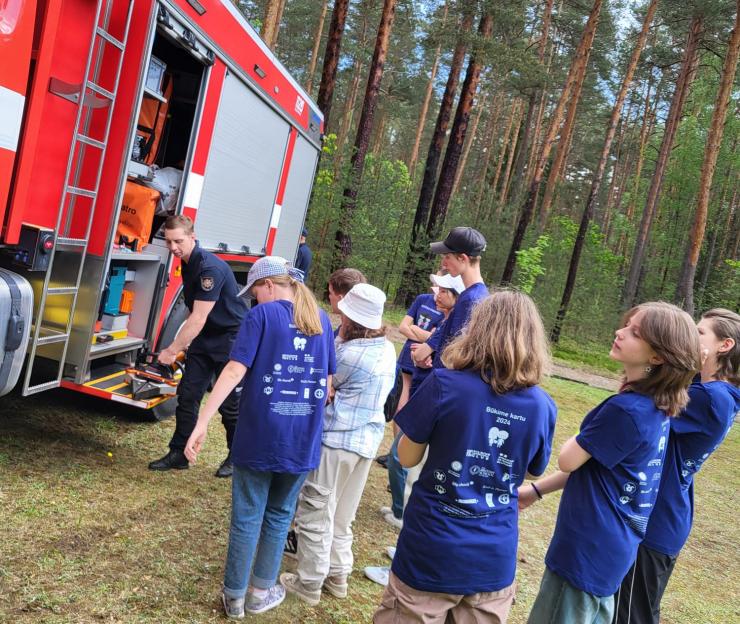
(449, 282)
(364, 305)
(269, 266)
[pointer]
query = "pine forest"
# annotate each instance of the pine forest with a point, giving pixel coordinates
(593, 142)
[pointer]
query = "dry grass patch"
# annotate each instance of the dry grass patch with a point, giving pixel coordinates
(88, 537)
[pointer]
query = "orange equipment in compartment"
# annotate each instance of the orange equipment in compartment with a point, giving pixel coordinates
(127, 302)
(137, 213)
(152, 117)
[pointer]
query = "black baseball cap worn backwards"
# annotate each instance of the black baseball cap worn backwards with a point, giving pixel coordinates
(463, 240)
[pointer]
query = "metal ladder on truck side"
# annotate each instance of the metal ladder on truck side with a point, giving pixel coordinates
(89, 96)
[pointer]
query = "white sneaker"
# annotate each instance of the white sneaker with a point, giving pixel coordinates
(393, 521)
(378, 574)
(385, 510)
(391, 551)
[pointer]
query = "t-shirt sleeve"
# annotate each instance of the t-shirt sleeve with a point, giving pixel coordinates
(209, 284)
(414, 308)
(419, 416)
(539, 462)
(435, 340)
(248, 338)
(694, 419)
(331, 366)
(609, 435)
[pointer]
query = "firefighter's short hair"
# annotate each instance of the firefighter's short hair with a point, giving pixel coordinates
(179, 221)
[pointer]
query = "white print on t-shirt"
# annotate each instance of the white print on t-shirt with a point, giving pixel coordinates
(489, 500)
(439, 489)
(281, 380)
(267, 379)
(299, 344)
(290, 392)
(308, 381)
(440, 476)
(504, 499)
(296, 369)
(322, 381)
(316, 370)
(456, 466)
(629, 487)
(505, 415)
(481, 471)
(277, 367)
(289, 356)
(267, 390)
(462, 484)
(642, 476)
(661, 444)
(497, 436)
(654, 462)
(308, 359)
(467, 501)
(504, 460)
(307, 393)
(477, 454)
(318, 393)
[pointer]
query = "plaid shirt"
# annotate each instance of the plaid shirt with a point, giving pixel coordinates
(366, 371)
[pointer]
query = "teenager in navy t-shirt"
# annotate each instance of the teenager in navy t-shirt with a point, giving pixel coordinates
(714, 399)
(284, 351)
(611, 469)
(486, 425)
(460, 252)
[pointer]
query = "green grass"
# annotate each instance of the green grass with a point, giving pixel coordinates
(91, 538)
(589, 356)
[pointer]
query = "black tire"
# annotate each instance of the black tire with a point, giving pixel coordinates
(164, 410)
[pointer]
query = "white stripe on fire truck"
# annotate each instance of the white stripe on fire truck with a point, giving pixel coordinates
(193, 190)
(11, 115)
(275, 219)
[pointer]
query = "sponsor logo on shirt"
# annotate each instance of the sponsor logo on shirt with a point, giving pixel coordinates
(497, 436)
(290, 392)
(299, 344)
(308, 358)
(504, 460)
(296, 369)
(440, 476)
(267, 390)
(290, 356)
(481, 471)
(477, 454)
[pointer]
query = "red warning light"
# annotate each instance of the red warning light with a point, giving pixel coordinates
(47, 244)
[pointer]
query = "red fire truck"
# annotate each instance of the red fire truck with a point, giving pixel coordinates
(98, 100)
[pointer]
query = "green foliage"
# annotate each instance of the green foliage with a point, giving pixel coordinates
(529, 264)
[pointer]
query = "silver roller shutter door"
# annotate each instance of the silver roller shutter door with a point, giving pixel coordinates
(243, 171)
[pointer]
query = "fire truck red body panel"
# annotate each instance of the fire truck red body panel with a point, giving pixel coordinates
(50, 44)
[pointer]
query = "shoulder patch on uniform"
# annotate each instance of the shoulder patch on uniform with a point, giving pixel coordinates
(206, 283)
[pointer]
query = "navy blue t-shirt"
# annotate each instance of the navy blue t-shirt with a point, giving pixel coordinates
(460, 527)
(606, 503)
(694, 436)
(282, 402)
(426, 317)
(205, 277)
(457, 319)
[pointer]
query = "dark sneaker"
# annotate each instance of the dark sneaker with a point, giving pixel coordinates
(291, 545)
(226, 469)
(174, 460)
(275, 595)
(233, 607)
(293, 585)
(382, 460)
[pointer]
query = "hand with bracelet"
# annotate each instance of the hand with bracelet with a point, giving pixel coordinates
(531, 492)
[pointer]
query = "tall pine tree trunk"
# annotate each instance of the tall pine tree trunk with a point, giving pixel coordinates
(685, 78)
(527, 210)
(316, 45)
(685, 288)
(427, 100)
(534, 97)
(343, 237)
(469, 143)
(409, 282)
(593, 194)
(509, 162)
(271, 23)
(447, 173)
(331, 60)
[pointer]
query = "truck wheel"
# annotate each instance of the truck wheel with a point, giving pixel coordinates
(164, 410)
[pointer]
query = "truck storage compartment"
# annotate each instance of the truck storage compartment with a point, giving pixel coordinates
(16, 304)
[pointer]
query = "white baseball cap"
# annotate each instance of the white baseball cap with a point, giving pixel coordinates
(269, 266)
(364, 305)
(448, 281)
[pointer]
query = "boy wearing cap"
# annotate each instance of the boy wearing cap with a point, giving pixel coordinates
(304, 257)
(353, 429)
(460, 252)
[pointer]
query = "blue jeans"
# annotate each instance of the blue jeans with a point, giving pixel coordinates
(262, 506)
(396, 479)
(558, 602)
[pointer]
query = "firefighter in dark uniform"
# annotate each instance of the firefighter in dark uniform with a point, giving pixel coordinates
(216, 312)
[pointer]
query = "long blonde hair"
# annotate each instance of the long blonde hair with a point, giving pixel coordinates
(504, 340)
(672, 334)
(305, 308)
